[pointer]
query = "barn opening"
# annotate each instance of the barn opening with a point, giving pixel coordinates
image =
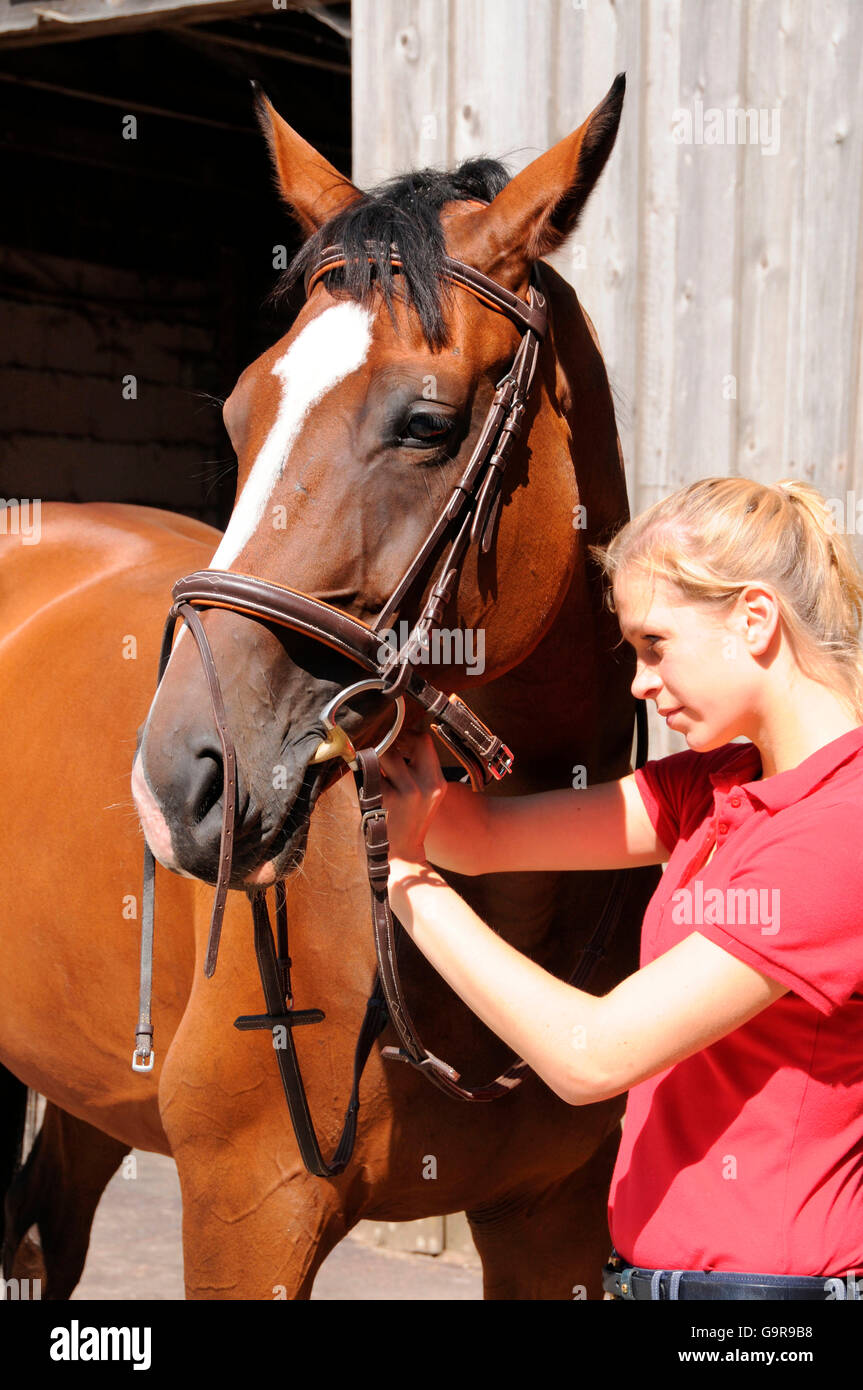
(141, 232)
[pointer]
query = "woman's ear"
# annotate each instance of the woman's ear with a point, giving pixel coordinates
(760, 616)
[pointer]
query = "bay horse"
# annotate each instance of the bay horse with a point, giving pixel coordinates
(350, 432)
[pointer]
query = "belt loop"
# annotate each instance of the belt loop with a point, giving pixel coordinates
(655, 1283)
(674, 1283)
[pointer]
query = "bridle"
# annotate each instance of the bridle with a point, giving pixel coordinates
(468, 517)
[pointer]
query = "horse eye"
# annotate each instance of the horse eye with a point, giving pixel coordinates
(426, 428)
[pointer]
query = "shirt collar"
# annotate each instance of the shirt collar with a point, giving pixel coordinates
(784, 788)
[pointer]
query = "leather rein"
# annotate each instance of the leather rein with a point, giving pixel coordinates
(475, 502)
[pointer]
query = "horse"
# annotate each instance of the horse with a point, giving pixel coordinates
(349, 433)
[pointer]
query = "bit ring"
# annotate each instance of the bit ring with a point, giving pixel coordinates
(337, 744)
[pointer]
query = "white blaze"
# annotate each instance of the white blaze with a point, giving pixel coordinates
(328, 349)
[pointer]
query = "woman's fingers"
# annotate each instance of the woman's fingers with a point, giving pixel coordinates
(425, 764)
(407, 742)
(413, 791)
(396, 770)
(404, 749)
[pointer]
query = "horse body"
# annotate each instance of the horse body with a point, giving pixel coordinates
(81, 626)
(531, 1172)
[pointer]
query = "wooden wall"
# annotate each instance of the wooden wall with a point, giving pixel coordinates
(76, 427)
(725, 281)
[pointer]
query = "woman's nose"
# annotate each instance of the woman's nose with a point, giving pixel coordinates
(645, 683)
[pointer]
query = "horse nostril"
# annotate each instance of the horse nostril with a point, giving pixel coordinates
(209, 789)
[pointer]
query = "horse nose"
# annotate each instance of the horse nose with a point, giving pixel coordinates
(204, 785)
(187, 784)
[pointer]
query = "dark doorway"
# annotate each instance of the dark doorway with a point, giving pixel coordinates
(133, 271)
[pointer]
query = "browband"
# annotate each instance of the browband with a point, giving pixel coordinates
(495, 296)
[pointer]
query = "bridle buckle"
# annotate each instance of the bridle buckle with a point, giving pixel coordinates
(501, 762)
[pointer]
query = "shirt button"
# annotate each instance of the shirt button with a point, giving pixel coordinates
(722, 827)
(735, 801)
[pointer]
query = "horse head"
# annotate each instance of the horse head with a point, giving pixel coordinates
(351, 432)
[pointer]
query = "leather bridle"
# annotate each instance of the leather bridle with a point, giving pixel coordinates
(468, 517)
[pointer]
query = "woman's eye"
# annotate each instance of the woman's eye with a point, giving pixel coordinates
(425, 428)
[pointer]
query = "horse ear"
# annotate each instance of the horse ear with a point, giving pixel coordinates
(313, 190)
(539, 208)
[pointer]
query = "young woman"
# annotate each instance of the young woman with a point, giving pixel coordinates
(740, 1038)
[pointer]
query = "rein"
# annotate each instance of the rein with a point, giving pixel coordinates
(475, 502)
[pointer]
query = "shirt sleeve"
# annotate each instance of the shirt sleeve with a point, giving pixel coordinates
(669, 786)
(795, 911)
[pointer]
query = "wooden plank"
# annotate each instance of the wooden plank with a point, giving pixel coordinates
(458, 1237)
(600, 260)
(56, 21)
(501, 94)
(425, 1236)
(430, 1235)
(775, 78)
(91, 405)
(51, 337)
(50, 467)
(704, 408)
(659, 219)
(658, 223)
(71, 331)
(687, 415)
(400, 59)
(823, 329)
(61, 280)
(801, 291)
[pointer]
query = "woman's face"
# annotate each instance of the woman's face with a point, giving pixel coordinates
(693, 660)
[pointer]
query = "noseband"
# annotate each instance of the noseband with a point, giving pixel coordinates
(467, 518)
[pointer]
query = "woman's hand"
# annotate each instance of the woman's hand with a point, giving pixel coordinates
(413, 788)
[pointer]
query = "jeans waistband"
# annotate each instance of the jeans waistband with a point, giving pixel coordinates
(626, 1281)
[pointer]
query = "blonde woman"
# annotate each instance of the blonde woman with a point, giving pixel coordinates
(740, 1038)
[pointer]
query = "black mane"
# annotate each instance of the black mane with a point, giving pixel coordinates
(403, 210)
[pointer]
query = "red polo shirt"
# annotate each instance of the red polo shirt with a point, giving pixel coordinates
(749, 1155)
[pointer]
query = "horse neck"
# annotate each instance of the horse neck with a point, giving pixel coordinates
(568, 703)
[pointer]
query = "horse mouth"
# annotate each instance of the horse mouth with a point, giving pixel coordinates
(286, 851)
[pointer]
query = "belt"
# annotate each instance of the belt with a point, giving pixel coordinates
(625, 1281)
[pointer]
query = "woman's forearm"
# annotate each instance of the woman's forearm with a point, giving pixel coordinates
(456, 836)
(544, 1020)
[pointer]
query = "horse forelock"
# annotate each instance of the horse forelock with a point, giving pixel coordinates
(403, 211)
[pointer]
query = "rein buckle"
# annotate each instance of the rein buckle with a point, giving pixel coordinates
(142, 1066)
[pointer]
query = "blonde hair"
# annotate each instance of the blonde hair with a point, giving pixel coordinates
(716, 536)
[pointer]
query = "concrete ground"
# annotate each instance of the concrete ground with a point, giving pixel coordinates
(147, 1208)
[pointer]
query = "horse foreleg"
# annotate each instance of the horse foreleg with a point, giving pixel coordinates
(549, 1243)
(255, 1224)
(58, 1190)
